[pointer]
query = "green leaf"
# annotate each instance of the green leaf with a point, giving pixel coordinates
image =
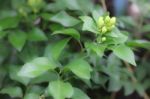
(70, 31)
(97, 12)
(31, 95)
(79, 94)
(72, 5)
(139, 89)
(145, 28)
(97, 48)
(64, 19)
(13, 75)
(89, 24)
(3, 34)
(86, 8)
(81, 68)
(139, 43)
(36, 67)
(128, 88)
(37, 34)
(17, 39)
(12, 91)
(58, 47)
(46, 77)
(35, 89)
(46, 16)
(9, 22)
(56, 27)
(60, 90)
(117, 37)
(125, 53)
(114, 84)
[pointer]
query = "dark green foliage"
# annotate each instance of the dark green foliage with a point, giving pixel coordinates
(54, 50)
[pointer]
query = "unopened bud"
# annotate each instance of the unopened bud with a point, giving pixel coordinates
(103, 39)
(111, 27)
(107, 19)
(100, 22)
(113, 20)
(104, 29)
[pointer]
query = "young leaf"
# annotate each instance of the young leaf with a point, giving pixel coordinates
(17, 39)
(64, 19)
(70, 31)
(81, 68)
(96, 13)
(36, 67)
(60, 90)
(37, 34)
(125, 53)
(117, 36)
(12, 91)
(79, 94)
(89, 24)
(97, 48)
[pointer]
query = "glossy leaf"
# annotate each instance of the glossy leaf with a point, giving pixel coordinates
(89, 24)
(64, 19)
(70, 31)
(97, 48)
(37, 34)
(81, 68)
(57, 48)
(79, 94)
(36, 67)
(60, 90)
(125, 53)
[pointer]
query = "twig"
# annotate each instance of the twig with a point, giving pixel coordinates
(103, 4)
(113, 95)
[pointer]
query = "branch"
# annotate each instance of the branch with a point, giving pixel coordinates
(103, 5)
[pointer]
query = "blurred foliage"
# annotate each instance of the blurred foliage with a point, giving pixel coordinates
(57, 49)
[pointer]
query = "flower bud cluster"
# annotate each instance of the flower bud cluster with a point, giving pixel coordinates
(105, 24)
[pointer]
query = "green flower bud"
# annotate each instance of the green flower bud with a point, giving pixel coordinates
(107, 19)
(100, 22)
(103, 39)
(98, 39)
(104, 29)
(113, 20)
(111, 27)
